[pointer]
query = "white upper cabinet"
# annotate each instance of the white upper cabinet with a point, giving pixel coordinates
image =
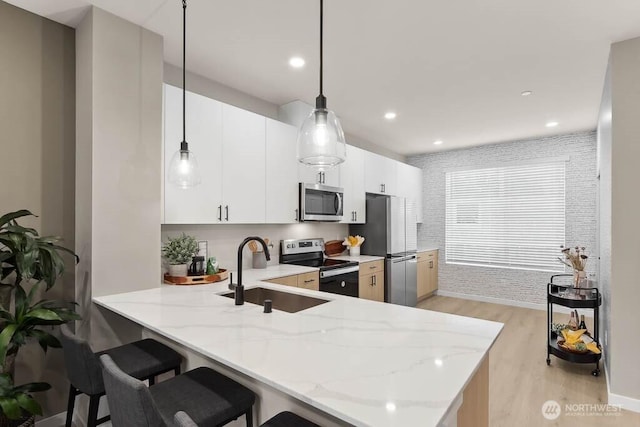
(281, 173)
(410, 186)
(312, 175)
(243, 166)
(352, 180)
(380, 174)
(198, 205)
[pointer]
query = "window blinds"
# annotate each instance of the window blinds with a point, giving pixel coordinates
(507, 217)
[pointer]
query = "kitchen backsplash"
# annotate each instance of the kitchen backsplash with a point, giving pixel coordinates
(223, 240)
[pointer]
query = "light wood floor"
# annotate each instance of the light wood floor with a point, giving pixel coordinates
(521, 381)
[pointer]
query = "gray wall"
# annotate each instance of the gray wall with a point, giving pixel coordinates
(37, 104)
(520, 286)
(619, 230)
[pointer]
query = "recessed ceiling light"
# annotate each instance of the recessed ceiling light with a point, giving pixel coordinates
(390, 115)
(296, 62)
(438, 362)
(552, 124)
(391, 407)
(438, 142)
(526, 93)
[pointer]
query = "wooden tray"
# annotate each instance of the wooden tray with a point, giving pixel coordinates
(196, 280)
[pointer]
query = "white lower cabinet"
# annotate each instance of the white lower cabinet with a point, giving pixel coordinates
(281, 173)
(198, 205)
(352, 180)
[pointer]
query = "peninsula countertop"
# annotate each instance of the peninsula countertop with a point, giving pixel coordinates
(367, 363)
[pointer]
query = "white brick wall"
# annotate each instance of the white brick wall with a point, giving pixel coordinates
(581, 225)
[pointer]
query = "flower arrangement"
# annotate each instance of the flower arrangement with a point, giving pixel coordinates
(576, 259)
(353, 241)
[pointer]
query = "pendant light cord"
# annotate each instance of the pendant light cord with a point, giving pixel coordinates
(184, 71)
(321, 44)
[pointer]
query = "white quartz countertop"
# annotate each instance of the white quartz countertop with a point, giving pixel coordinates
(427, 248)
(367, 363)
(359, 259)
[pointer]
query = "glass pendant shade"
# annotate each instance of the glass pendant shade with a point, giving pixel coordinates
(183, 169)
(321, 141)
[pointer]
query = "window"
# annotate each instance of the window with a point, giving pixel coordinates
(507, 217)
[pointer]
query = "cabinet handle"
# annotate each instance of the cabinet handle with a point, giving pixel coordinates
(219, 212)
(430, 264)
(372, 267)
(372, 281)
(296, 215)
(310, 281)
(226, 213)
(324, 178)
(384, 188)
(375, 280)
(355, 214)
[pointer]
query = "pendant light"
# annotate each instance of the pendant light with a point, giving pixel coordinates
(321, 140)
(183, 169)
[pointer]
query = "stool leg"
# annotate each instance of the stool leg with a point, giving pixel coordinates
(176, 371)
(94, 402)
(249, 416)
(70, 405)
(152, 381)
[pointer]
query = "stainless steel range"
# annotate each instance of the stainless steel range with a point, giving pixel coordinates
(336, 276)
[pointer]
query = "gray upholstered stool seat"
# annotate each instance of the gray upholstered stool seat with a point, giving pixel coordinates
(210, 398)
(288, 419)
(143, 359)
(283, 419)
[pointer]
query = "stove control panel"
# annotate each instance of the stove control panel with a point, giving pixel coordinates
(301, 246)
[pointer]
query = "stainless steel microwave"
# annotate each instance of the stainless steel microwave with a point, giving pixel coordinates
(320, 202)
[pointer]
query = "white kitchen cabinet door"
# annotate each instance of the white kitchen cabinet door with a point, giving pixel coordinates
(281, 173)
(352, 180)
(198, 205)
(312, 175)
(380, 174)
(243, 166)
(410, 186)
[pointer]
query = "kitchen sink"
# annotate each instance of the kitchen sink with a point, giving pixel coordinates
(285, 301)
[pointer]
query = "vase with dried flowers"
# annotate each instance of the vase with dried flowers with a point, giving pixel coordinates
(576, 258)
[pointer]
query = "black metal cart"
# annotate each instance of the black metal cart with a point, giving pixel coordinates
(568, 296)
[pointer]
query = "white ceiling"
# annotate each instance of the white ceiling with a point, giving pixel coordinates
(452, 70)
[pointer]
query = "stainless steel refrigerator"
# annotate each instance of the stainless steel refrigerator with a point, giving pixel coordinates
(391, 231)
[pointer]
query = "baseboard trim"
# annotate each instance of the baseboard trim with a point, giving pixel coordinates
(504, 301)
(628, 403)
(57, 420)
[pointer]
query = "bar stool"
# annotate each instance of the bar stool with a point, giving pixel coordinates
(283, 419)
(209, 397)
(144, 359)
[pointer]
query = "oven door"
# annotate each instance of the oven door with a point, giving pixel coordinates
(343, 281)
(320, 202)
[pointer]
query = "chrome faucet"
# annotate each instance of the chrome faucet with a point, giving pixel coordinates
(238, 288)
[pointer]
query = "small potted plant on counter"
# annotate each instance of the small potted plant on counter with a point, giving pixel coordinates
(178, 252)
(27, 262)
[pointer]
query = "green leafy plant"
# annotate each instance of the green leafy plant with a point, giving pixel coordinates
(180, 250)
(16, 400)
(27, 258)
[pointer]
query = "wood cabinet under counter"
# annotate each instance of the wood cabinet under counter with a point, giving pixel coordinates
(427, 273)
(371, 281)
(309, 280)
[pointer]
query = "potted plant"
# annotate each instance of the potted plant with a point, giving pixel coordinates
(26, 259)
(178, 252)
